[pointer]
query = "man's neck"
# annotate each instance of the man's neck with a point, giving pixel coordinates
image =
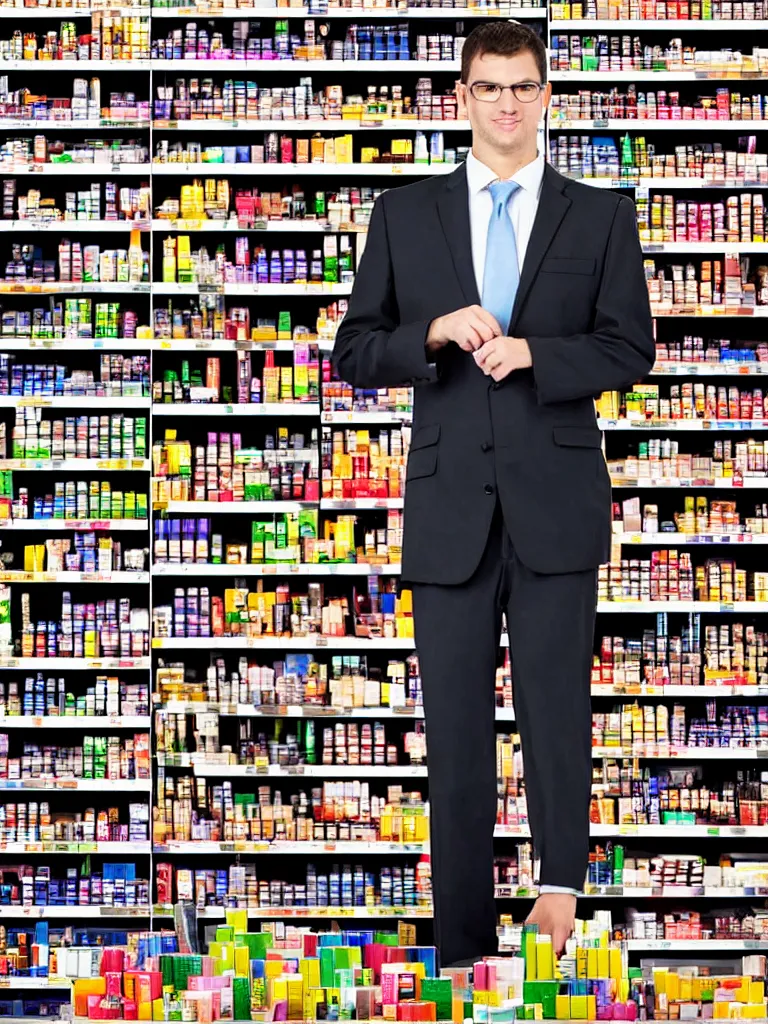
(504, 165)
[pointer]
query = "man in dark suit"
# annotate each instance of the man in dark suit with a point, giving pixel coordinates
(509, 297)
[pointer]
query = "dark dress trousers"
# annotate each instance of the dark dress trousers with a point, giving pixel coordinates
(507, 507)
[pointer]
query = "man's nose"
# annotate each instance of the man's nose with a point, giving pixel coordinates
(507, 103)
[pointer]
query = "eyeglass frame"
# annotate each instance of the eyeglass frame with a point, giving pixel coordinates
(541, 86)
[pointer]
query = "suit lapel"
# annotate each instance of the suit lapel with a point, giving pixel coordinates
(453, 210)
(553, 206)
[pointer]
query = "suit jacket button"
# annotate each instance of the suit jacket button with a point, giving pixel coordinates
(486, 446)
(488, 489)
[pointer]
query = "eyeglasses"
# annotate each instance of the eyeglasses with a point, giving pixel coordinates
(489, 92)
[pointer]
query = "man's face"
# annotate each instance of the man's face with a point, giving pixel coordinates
(506, 123)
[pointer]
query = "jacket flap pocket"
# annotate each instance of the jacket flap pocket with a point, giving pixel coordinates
(425, 436)
(566, 266)
(578, 437)
(421, 463)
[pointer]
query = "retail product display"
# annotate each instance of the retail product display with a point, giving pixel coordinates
(213, 199)
(331, 264)
(297, 383)
(245, 614)
(360, 43)
(240, 765)
(233, 101)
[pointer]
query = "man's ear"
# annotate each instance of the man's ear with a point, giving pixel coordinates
(461, 96)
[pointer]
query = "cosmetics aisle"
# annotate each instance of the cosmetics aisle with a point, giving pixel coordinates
(211, 733)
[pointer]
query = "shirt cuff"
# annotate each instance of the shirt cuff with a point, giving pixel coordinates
(544, 889)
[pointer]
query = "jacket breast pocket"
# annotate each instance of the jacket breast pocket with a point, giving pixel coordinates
(578, 437)
(422, 457)
(553, 265)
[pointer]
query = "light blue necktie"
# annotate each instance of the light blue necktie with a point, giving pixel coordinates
(502, 274)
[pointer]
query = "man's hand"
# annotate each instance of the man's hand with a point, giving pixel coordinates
(499, 356)
(555, 915)
(469, 327)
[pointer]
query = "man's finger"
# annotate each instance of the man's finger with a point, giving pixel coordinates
(489, 319)
(485, 352)
(484, 329)
(475, 333)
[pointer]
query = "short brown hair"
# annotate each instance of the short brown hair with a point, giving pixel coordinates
(503, 39)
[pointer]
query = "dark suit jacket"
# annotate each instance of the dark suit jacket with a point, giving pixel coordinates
(533, 439)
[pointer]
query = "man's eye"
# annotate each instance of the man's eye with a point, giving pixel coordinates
(526, 89)
(486, 89)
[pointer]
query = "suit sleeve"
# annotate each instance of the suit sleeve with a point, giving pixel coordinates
(373, 349)
(621, 348)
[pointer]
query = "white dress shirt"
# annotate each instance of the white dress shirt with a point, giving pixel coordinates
(522, 209)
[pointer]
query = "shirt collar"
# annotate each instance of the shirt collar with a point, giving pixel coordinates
(529, 177)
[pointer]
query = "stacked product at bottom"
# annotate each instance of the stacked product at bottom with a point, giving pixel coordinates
(295, 973)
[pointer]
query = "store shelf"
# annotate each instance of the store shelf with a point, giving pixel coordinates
(78, 848)
(676, 539)
(75, 524)
(652, 831)
(302, 569)
(290, 643)
(341, 124)
(304, 225)
(20, 576)
(716, 248)
(54, 11)
(714, 312)
(687, 425)
(330, 504)
(273, 771)
(305, 170)
(658, 751)
(70, 913)
(73, 402)
(93, 169)
(72, 288)
(82, 785)
(697, 692)
(364, 418)
(75, 664)
(305, 849)
(669, 892)
(70, 344)
(217, 346)
(35, 983)
(206, 508)
(75, 465)
(316, 288)
(721, 607)
(643, 124)
(75, 722)
(238, 409)
(688, 75)
(289, 913)
(301, 66)
(644, 185)
(179, 707)
(649, 24)
(349, 12)
(696, 945)
(723, 483)
(732, 368)
(93, 124)
(681, 831)
(72, 226)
